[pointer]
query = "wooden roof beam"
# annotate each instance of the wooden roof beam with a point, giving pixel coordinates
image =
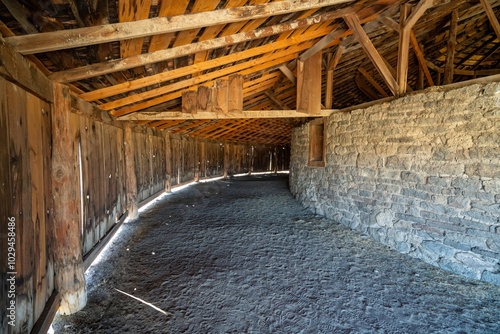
(177, 115)
(276, 101)
(288, 74)
(117, 65)
(372, 82)
(67, 39)
(163, 94)
(355, 25)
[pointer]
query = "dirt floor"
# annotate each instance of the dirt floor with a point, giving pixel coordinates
(242, 256)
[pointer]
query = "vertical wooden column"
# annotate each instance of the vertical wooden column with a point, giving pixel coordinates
(203, 159)
(452, 43)
(275, 160)
(168, 163)
(66, 243)
(235, 93)
(226, 159)
(309, 84)
(131, 181)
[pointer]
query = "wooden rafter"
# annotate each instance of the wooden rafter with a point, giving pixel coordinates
(354, 24)
(67, 39)
(492, 17)
(111, 66)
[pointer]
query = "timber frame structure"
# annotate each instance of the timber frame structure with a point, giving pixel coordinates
(128, 98)
(230, 70)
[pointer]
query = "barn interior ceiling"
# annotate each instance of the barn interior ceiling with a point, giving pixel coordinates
(229, 69)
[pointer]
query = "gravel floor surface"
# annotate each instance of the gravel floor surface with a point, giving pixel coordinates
(242, 256)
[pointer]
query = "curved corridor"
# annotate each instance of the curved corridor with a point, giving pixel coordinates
(242, 256)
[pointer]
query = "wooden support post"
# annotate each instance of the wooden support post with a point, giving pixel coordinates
(168, 163)
(131, 182)
(226, 159)
(275, 160)
(189, 102)
(204, 99)
(452, 43)
(203, 159)
(329, 90)
(220, 97)
(309, 84)
(66, 243)
(403, 49)
(235, 93)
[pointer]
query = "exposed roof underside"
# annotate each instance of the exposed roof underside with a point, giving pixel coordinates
(174, 49)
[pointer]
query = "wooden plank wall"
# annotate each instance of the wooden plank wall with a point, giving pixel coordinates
(25, 163)
(102, 177)
(25, 186)
(150, 163)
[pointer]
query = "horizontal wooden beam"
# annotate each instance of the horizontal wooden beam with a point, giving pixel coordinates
(117, 65)
(167, 115)
(73, 38)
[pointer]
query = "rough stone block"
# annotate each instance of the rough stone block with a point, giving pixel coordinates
(457, 245)
(492, 186)
(438, 181)
(415, 193)
(399, 163)
(491, 277)
(459, 202)
(477, 262)
(413, 177)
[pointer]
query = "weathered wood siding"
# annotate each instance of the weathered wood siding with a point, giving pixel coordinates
(150, 163)
(25, 182)
(102, 175)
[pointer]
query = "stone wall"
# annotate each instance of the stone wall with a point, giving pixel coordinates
(420, 174)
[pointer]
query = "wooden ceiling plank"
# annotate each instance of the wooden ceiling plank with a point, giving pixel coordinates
(176, 115)
(132, 10)
(354, 24)
(66, 39)
(167, 8)
(452, 44)
(491, 16)
(117, 65)
(223, 30)
(200, 6)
